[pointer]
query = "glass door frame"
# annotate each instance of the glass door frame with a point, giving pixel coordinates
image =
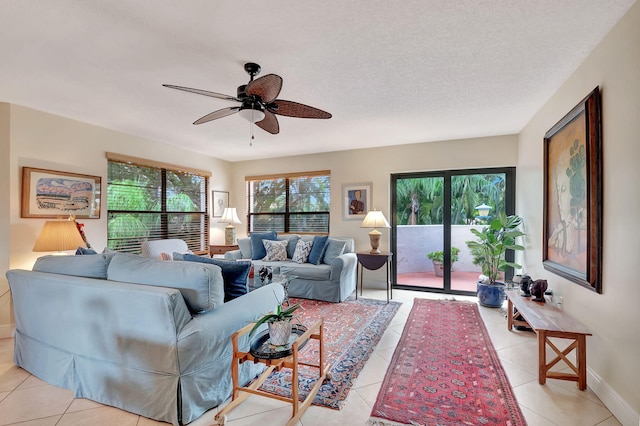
(509, 201)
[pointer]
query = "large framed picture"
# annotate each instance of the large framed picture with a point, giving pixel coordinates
(356, 200)
(572, 246)
(50, 193)
(220, 201)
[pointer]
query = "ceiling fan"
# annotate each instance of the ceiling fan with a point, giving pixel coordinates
(258, 103)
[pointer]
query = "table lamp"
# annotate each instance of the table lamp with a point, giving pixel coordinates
(375, 219)
(59, 236)
(230, 217)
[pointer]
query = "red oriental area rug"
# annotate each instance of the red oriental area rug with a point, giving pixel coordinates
(445, 371)
(352, 329)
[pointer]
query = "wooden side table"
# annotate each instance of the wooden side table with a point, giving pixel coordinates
(268, 358)
(372, 262)
(222, 249)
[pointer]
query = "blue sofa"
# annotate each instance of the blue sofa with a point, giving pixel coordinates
(333, 279)
(143, 335)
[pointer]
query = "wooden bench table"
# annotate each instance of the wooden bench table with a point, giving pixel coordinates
(549, 321)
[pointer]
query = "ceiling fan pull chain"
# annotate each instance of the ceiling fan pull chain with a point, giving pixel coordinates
(251, 124)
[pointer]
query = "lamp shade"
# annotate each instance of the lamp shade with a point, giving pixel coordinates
(375, 219)
(251, 115)
(230, 216)
(58, 235)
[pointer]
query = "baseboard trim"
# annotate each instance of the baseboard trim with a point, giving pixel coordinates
(7, 331)
(624, 413)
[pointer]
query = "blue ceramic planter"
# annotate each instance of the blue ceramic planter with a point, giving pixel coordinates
(491, 296)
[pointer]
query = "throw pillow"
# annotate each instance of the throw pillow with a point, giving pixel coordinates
(276, 250)
(234, 274)
(257, 247)
(84, 250)
(317, 249)
(303, 248)
(166, 256)
(334, 249)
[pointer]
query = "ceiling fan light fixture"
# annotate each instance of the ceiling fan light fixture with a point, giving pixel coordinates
(251, 115)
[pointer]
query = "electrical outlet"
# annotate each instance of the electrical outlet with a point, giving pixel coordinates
(560, 302)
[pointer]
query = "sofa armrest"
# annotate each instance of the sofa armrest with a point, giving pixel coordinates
(233, 255)
(343, 266)
(206, 339)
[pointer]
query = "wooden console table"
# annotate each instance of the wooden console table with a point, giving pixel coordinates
(549, 321)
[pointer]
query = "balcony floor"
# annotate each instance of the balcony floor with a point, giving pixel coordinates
(460, 280)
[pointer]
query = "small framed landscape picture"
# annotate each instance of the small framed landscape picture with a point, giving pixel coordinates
(220, 201)
(51, 194)
(356, 200)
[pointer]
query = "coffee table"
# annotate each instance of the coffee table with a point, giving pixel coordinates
(276, 359)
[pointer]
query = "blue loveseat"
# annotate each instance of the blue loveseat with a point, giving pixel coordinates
(143, 335)
(331, 279)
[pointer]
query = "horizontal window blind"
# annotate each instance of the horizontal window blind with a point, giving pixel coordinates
(150, 203)
(295, 202)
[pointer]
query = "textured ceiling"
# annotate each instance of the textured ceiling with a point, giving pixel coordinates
(390, 72)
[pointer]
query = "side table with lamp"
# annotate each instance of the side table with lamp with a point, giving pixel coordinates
(374, 259)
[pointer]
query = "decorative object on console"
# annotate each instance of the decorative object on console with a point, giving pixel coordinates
(58, 236)
(538, 287)
(525, 285)
(50, 194)
(230, 217)
(375, 219)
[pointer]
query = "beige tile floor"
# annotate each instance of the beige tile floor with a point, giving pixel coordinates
(27, 401)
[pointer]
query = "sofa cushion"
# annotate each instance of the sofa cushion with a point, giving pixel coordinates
(334, 249)
(234, 274)
(276, 250)
(317, 249)
(90, 266)
(292, 240)
(244, 244)
(201, 284)
(257, 247)
(301, 254)
(307, 271)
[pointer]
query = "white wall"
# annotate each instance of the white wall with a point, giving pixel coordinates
(614, 349)
(50, 142)
(376, 165)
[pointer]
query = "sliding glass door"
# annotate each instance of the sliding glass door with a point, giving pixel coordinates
(432, 215)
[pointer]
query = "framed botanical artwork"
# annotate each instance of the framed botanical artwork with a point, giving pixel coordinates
(220, 201)
(50, 193)
(572, 222)
(356, 200)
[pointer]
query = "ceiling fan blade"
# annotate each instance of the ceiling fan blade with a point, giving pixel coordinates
(269, 123)
(203, 92)
(267, 87)
(295, 109)
(217, 114)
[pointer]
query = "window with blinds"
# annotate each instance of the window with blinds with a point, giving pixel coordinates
(149, 202)
(297, 203)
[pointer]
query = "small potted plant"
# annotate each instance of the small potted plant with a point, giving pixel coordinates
(489, 251)
(279, 324)
(437, 257)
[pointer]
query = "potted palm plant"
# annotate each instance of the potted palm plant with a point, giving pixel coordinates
(437, 257)
(489, 251)
(279, 324)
